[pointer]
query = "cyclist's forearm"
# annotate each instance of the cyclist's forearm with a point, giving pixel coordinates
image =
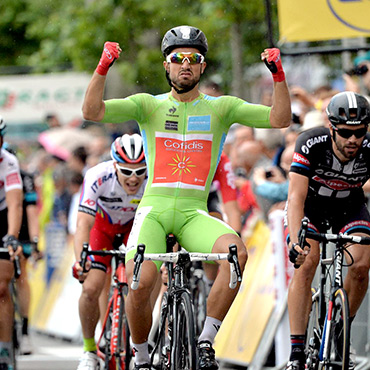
(32, 221)
(15, 209)
(281, 114)
(233, 215)
(84, 225)
(93, 106)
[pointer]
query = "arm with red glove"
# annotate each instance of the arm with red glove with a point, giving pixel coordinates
(85, 222)
(93, 106)
(281, 113)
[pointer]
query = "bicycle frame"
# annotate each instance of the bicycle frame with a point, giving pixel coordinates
(115, 311)
(176, 304)
(323, 339)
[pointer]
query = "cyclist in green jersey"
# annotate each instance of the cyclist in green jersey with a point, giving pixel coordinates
(183, 132)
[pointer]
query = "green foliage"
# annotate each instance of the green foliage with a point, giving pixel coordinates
(53, 35)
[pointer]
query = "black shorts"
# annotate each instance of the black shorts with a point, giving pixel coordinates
(213, 203)
(352, 219)
(3, 232)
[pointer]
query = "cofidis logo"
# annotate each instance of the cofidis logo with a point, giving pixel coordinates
(352, 13)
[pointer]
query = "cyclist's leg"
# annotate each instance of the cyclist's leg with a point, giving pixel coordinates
(357, 279)
(93, 285)
(300, 298)
(146, 230)
(24, 300)
(6, 311)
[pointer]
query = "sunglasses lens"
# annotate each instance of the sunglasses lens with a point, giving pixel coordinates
(126, 172)
(140, 172)
(179, 58)
(345, 133)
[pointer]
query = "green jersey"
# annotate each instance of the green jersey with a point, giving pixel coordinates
(183, 141)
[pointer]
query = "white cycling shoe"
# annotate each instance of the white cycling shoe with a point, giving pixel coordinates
(89, 361)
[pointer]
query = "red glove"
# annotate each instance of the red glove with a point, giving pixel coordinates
(273, 63)
(75, 272)
(109, 55)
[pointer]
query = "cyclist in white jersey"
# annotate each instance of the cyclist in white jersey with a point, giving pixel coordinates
(111, 193)
(183, 131)
(11, 200)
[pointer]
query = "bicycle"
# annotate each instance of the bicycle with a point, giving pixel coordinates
(328, 333)
(198, 290)
(115, 332)
(17, 325)
(175, 346)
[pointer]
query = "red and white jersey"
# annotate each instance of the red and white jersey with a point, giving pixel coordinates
(224, 180)
(102, 195)
(10, 177)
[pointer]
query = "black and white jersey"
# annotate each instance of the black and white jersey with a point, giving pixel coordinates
(330, 181)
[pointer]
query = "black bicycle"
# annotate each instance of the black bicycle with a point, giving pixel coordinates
(175, 345)
(115, 334)
(328, 332)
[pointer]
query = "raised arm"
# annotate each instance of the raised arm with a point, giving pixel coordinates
(281, 113)
(93, 107)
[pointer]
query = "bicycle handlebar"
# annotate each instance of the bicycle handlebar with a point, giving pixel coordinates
(345, 238)
(85, 253)
(182, 255)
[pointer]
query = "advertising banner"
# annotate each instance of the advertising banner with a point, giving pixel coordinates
(318, 20)
(29, 98)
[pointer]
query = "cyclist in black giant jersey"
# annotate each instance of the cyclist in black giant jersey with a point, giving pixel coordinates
(329, 168)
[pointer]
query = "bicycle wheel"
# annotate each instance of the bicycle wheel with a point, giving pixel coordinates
(122, 353)
(160, 356)
(199, 295)
(120, 336)
(184, 336)
(338, 340)
(313, 334)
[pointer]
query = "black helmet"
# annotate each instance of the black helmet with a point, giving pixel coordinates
(348, 108)
(2, 126)
(184, 36)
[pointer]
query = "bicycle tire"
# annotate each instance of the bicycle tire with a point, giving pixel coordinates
(122, 355)
(160, 356)
(184, 336)
(107, 337)
(313, 334)
(338, 340)
(199, 295)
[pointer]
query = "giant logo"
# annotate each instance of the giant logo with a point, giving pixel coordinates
(352, 13)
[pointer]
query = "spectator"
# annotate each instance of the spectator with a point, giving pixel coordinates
(52, 120)
(358, 79)
(78, 159)
(272, 184)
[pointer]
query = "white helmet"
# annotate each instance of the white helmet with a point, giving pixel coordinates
(128, 149)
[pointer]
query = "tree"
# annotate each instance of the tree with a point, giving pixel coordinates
(52, 36)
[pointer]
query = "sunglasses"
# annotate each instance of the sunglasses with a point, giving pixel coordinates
(347, 133)
(128, 172)
(179, 58)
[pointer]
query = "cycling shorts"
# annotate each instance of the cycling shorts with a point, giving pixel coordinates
(3, 232)
(187, 219)
(354, 219)
(106, 236)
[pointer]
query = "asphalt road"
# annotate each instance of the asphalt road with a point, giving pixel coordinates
(52, 353)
